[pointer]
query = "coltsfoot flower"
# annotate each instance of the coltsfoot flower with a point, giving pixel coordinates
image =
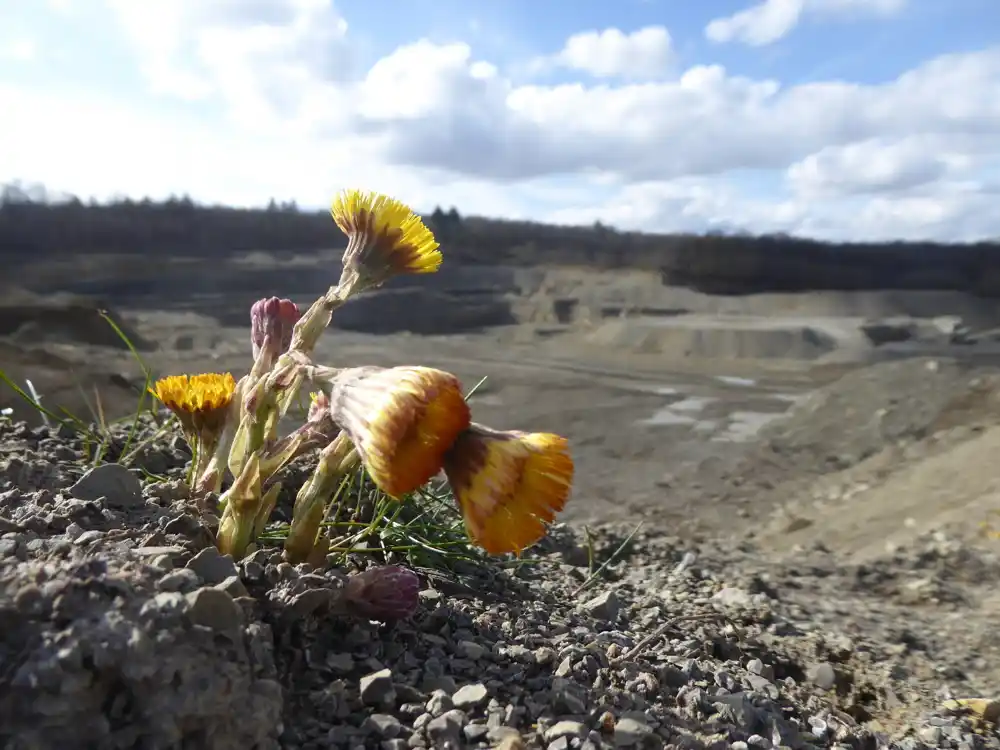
(271, 323)
(201, 402)
(385, 238)
(509, 485)
(388, 592)
(402, 420)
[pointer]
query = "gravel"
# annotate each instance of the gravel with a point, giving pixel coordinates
(121, 626)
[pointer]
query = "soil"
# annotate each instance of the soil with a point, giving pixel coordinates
(840, 502)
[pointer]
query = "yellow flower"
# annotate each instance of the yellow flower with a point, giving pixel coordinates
(509, 485)
(402, 420)
(199, 401)
(202, 404)
(385, 237)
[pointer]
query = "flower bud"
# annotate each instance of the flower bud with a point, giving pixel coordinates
(272, 319)
(388, 592)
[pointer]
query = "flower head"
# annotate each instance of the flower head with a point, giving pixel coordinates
(200, 402)
(204, 407)
(388, 592)
(402, 420)
(271, 323)
(385, 237)
(509, 485)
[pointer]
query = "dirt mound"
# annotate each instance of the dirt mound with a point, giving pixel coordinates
(948, 481)
(886, 415)
(423, 311)
(76, 320)
(872, 407)
(730, 337)
(82, 385)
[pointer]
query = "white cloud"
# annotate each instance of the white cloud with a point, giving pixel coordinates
(268, 59)
(435, 124)
(771, 20)
(705, 122)
(22, 50)
(880, 165)
(611, 53)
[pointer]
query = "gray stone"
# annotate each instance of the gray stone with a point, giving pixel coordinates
(472, 650)
(931, 735)
(179, 580)
(91, 535)
(630, 732)
(213, 567)
(468, 696)
(475, 732)
(214, 609)
(377, 688)
(823, 675)
(445, 731)
(565, 728)
(733, 597)
(150, 552)
(340, 663)
(8, 548)
(233, 586)
(118, 486)
(385, 726)
(604, 606)
(439, 703)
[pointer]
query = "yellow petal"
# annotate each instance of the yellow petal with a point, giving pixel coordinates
(387, 237)
(402, 421)
(509, 485)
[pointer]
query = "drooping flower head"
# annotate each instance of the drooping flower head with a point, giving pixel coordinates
(509, 485)
(402, 420)
(271, 323)
(385, 238)
(388, 592)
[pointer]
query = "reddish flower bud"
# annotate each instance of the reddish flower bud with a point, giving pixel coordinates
(272, 319)
(388, 592)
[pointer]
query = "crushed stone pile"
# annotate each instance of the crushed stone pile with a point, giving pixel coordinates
(121, 626)
(913, 405)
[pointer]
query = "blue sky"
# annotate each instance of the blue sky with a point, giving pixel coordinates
(847, 119)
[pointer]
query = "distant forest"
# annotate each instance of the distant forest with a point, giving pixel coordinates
(32, 227)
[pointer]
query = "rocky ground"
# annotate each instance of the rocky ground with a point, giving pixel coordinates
(122, 627)
(820, 582)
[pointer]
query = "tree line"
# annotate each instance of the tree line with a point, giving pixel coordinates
(32, 228)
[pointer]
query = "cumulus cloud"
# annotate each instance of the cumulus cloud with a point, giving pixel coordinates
(706, 122)
(647, 53)
(880, 165)
(437, 123)
(771, 20)
(267, 59)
